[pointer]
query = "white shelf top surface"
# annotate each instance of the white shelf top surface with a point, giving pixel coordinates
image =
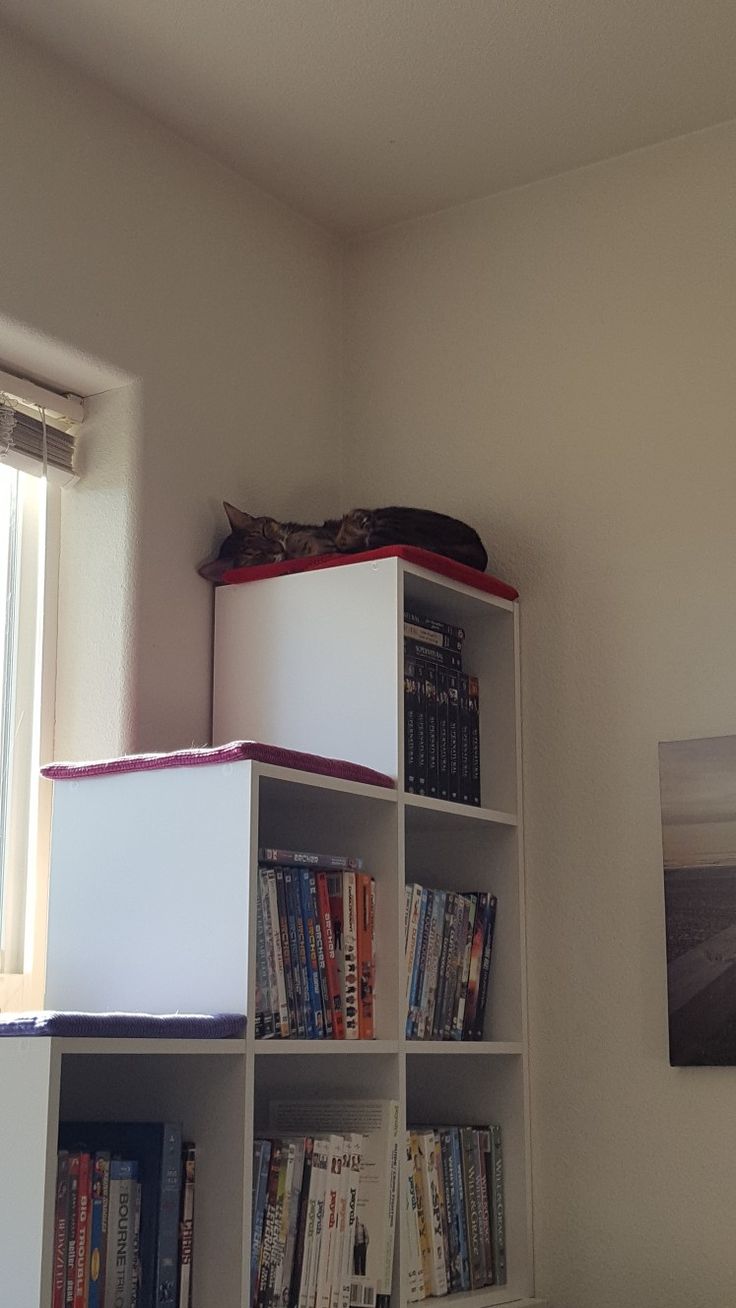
(471, 812)
(340, 1048)
(464, 1048)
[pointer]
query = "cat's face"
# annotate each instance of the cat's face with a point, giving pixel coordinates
(251, 541)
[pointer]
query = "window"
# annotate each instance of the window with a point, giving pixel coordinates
(22, 552)
(29, 552)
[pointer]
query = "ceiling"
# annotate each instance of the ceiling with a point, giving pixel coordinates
(361, 113)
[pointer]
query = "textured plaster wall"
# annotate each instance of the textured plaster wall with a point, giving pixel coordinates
(130, 259)
(557, 365)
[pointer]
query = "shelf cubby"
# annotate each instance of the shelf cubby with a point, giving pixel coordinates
(445, 854)
(377, 1076)
(47, 1080)
(441, 1091)
(337, 689)
(489, 653)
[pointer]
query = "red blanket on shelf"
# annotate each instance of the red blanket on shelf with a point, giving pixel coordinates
(422, 558)
(235, 752)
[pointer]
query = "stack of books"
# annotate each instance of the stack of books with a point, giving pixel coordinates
(315, 947)
(124, 1214)
(441, 713)
(324, 1206)
(448, 940)
(454, 1210)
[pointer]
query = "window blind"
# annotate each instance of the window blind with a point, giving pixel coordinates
(27, 440)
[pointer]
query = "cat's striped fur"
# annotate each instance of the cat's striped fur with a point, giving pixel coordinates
(254, 541)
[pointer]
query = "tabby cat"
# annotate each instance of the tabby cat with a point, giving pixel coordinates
(254, 541)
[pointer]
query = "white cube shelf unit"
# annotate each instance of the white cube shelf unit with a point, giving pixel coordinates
(152, 907)
(314, 661)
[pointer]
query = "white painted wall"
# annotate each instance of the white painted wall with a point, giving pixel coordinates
(95, 701)
(130, 257)
(557, 365)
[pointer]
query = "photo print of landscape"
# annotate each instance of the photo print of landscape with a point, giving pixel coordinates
(698, 792)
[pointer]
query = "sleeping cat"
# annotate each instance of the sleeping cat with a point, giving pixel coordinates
(370, 529)
(254, 541)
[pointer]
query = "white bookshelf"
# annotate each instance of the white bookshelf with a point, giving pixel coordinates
(314, 661)
(183, 842)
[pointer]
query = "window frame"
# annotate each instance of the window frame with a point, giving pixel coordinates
(22, 964)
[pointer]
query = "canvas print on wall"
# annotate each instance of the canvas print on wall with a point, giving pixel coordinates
(698, 790)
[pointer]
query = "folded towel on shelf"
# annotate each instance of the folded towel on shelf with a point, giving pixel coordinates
(121, 1026)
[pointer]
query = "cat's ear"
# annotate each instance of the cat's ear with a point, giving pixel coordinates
(239, 521)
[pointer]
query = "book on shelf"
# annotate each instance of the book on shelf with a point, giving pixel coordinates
(288, 966)
(411, 714)
(438, 635)
(266, 984)
(81, 1251)
(448, 943)
(121, 1266)
(71, 1244)
(314, 1016)
(334, 883)
(329, 903)
(305, 858)
(429, 678)
(414, 965)
(438, 1200)
(275, 996)
(453, 1211)
(420, 1216)
(351, 955)
(315, 948)
(443, 736)
(135, 1288)
(294, 1185)
(259, 1199)
(441, 658)
(464, 728)
(494, 1173)
(322, 1018)
(269, 1236)
(441, 713)
(342, 1252)
(61, 1237)
(410, 1228)
(118, 1238)
(474, 732)
(99, 1228)
(186, 1225)
(322, 999)
(298, 955)
(453, 735)
(451, 635)
(365, 912)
